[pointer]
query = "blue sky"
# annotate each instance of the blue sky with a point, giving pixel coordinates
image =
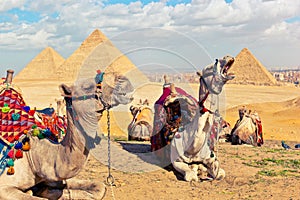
(270, 29)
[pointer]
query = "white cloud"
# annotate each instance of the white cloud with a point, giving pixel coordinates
(10, 4)
(220, 27)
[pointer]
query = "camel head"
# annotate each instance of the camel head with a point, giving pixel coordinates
(116, 89)
(215, 75)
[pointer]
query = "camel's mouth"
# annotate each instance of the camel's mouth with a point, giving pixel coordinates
(225, 69)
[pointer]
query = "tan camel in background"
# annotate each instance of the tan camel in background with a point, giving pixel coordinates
(192, 148)
(46, 165)
(140, 127)
(61, 107)
(248, 129)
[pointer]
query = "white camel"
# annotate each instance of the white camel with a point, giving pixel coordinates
(46, 165)
(191, 148)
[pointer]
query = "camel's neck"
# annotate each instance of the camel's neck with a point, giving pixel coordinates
(73, 150)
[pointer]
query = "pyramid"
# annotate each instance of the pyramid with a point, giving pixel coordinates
(248, 70)
(42, 67)
(97, 52)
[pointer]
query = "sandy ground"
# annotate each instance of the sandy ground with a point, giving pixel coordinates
(267, 172)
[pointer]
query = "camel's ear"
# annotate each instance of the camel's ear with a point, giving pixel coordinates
(65, 90)
(199, 73)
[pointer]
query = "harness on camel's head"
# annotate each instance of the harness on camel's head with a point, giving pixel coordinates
(208, 90)
(98, 95)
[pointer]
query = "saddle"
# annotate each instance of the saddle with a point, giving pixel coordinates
(17, 123)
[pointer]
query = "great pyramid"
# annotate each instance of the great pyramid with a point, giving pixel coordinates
(68, 70)
(42, 67)
(249, 70)
(96, 52)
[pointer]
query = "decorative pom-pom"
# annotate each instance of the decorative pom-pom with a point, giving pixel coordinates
(10, 163)
(41, 135)
(11, 153)
(47, 132)
(10, 171)
(35, 132)
(26, 139)
(19, 145)
(19, 154)
(26, 108)
(5, 108)
(15, 116)
(26, 146)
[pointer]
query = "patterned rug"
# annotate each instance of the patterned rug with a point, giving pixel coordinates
(17, 120)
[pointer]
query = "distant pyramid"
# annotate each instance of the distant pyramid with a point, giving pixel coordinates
(43, 66)
(249, 70)
(68, 70)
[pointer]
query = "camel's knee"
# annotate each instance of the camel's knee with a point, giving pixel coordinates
(221, 174)
(191, 176)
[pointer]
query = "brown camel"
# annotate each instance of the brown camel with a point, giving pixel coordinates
(140, 127)
(46, 166)
(247, 129)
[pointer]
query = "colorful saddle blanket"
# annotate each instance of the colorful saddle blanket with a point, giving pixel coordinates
(168, 119)
(17, 120)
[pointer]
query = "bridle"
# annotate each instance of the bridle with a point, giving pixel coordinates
(98, 95)
(214, 73)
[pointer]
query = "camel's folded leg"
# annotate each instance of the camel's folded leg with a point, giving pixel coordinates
(83, 189)
(213, 168)
(11, 192)
(188, 173)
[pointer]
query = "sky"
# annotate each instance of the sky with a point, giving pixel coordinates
(165, 33)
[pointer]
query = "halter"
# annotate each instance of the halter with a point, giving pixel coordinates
(209, 90)
(98, 93)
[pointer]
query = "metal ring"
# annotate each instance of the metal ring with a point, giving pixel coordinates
(110, 180)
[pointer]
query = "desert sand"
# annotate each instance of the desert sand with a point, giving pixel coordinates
(267, 172)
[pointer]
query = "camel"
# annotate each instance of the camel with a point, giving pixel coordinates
(193, 145)
(140, 127)
(248, 129)
(42, 172)
(60, 107)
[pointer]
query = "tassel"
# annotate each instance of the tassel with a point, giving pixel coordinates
(11, 154)
(11, 170)
(26, 146)
(19, 154)
(18, 145)
(35, 132)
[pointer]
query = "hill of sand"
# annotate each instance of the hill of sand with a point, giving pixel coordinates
(249, 70)
(42, 67)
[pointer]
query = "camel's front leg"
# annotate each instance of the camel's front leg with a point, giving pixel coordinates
(213, 168)
(188, 173)
(11, 192)
(83, 189)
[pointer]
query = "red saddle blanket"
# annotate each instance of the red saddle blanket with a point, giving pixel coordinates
(15, 116)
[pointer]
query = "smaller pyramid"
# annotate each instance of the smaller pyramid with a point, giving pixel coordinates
(43, 66)
(248, 70)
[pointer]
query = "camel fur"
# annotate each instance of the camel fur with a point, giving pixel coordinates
(140, 127)
(191, 152)
(248, 129)
(42, 172)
